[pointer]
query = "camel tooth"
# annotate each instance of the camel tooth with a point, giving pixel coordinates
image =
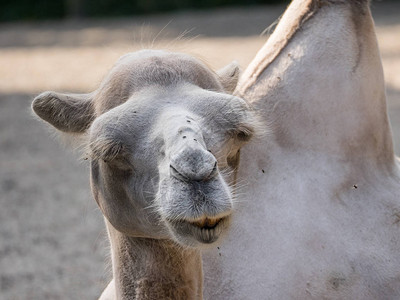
(206, 222)
(200, 223)
(211, 222)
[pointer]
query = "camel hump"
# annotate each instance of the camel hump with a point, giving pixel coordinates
(319, 78)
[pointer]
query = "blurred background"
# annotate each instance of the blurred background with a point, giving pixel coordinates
(58, 9)
(52, 239)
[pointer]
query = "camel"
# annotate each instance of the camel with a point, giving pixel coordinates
(162, 134)
(319, 213)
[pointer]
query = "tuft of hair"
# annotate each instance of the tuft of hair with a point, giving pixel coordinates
(105, 149)
(259, 127)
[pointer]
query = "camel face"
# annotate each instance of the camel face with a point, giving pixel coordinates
(160, 162)
(163, 143)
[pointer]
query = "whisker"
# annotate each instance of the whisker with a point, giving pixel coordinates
(158, 34)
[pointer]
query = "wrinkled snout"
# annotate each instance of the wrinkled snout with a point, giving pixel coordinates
(193, 163)
(195, 200)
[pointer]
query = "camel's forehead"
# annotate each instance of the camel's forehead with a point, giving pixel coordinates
(143, 57)
(144, 69)
(155, 110)
(166, 68)
(153, 102)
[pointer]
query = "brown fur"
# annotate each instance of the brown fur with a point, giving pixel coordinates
(155, 269)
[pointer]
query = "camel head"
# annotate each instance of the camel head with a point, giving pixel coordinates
(163, 136)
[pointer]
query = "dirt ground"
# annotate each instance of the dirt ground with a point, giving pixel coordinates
(52, 238)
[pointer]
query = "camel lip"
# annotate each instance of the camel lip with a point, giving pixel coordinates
(205, 230)
(206, 222)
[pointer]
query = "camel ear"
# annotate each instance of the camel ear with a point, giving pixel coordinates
(229, 76)
(72, 113)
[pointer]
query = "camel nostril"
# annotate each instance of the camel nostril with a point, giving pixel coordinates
(178, 175)
(175, 173)
(214, 172)
(193, 163)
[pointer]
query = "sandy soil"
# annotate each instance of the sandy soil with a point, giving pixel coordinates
(52, 241)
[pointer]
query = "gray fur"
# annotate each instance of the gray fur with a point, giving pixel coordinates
(59, 109)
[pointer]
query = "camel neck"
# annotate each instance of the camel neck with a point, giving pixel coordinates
(154, 269)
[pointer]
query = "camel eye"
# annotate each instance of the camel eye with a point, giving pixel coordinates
(244, 136)
(113, 153)
(120, 162)
(242, 133)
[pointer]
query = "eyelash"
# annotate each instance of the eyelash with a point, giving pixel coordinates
(120, 162)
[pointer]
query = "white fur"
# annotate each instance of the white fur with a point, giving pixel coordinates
(319, 214)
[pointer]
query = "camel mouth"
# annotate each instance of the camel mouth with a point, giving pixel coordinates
(206, 230)
(207, 223)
